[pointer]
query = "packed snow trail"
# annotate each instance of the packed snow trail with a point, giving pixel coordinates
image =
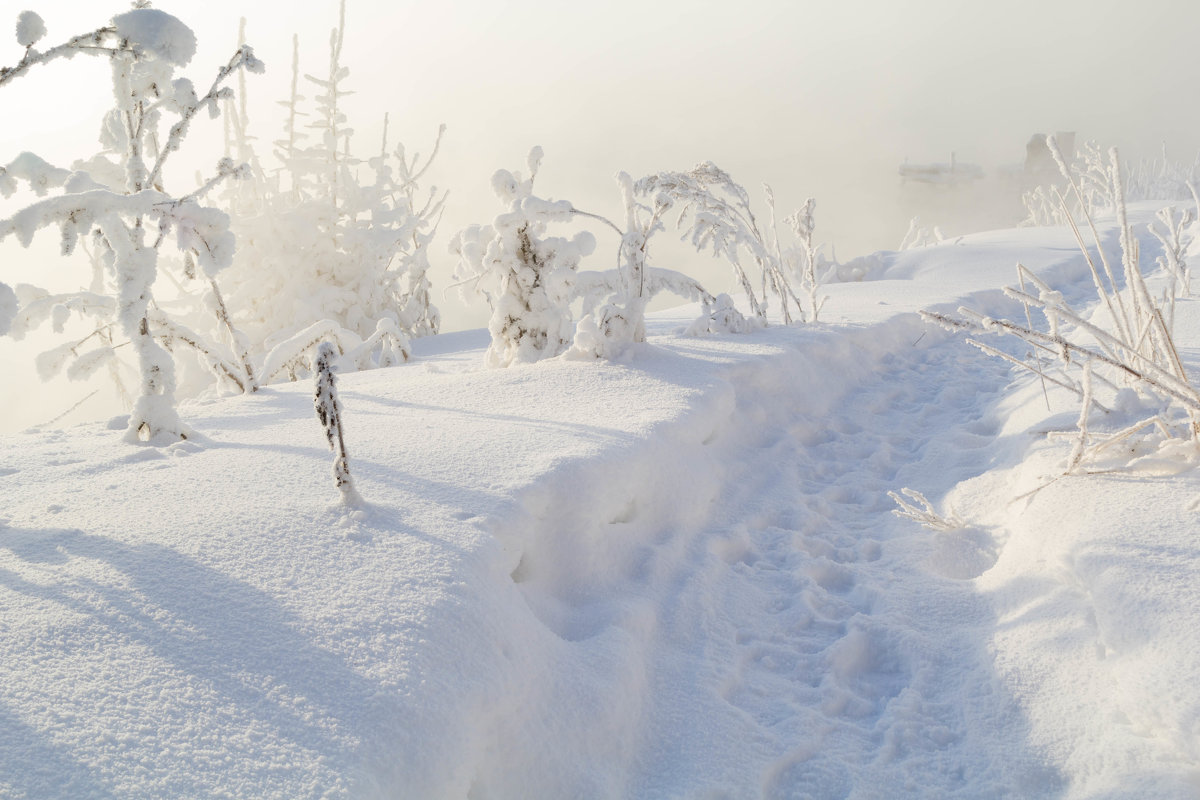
(865, 672)
(802, 642)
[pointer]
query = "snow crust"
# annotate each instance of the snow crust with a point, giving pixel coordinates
(672, 575)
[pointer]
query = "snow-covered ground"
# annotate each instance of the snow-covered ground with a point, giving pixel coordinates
(677, 575)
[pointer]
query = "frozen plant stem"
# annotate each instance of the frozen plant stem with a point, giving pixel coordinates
(925, 514)
(1136, 349)
(329, 412)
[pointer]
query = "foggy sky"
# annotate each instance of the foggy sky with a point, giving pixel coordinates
(821, 99)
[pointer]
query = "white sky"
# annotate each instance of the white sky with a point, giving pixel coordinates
(820, 99)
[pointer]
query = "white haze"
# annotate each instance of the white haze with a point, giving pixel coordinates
(821, 99)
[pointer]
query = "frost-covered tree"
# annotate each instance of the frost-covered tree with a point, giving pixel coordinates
(614, 301)
(717, 214)
(919, 235)
(526, 275)
(328, 239)
(1176, 235)
(118, 198)
(804, 255)
(532, 280)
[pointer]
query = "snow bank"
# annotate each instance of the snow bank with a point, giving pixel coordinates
(672, 575)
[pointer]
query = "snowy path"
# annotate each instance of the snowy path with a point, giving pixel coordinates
(846, 667)
(803, 642)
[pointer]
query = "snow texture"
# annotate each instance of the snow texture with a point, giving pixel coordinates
(676, 574)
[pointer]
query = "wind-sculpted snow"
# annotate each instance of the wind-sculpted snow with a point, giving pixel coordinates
(676, 574)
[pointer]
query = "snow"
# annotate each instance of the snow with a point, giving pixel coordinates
(40, 175)
(30, 28)
(158, 33)
(675, 574)
(8, 308)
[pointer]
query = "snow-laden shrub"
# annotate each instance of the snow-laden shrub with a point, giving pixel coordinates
(720, 315)
(614, 301)
(328, 238)
(1177, 235)
(1124, 350)
(1086, 189)
(804, 256)
(526, 275)
(919, 235)
(117, 198)
(1043, 209)
(329, 413)
(386, 347)
(532, 280)
(717, 214)
(1051, 204)
(1162, 179)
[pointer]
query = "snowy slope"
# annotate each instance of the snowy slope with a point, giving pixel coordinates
(672, 576)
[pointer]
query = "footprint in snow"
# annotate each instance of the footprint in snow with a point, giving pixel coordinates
(963, 554)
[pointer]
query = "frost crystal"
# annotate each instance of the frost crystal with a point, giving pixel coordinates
(30, 29)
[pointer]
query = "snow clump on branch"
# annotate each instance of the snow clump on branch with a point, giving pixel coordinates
(156, 33)
(30, 29)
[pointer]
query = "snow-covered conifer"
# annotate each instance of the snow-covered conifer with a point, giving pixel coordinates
(322, 242)
(526, 275)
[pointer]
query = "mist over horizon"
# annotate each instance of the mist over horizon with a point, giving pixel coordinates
(822, 100)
